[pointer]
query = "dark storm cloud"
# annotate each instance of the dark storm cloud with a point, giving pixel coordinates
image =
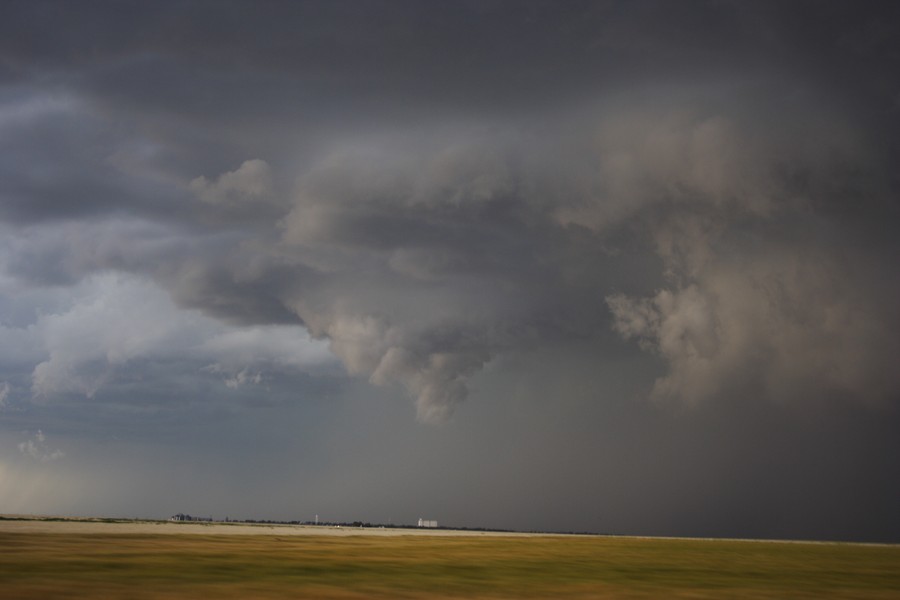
(60, 162)
(205, 59)
(433, 188)
(421, 250)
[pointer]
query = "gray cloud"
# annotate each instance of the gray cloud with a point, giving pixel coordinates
(464, 241)
(783, 325)
(250, 183)
(422, 255)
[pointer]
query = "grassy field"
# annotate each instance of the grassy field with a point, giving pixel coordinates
(50, 565)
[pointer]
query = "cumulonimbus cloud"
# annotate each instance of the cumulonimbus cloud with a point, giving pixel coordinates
(420, 264)
(673, 210)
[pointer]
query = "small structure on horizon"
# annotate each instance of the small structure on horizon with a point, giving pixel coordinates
(427, 523)
(183, 517)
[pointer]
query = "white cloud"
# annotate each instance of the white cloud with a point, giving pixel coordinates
(37, 448)
(284, 345)
(242, 378)
(116, 319)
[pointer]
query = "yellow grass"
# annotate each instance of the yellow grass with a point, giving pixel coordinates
(145, 566)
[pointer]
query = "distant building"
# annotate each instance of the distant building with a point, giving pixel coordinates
(427, 523)
(181, 517)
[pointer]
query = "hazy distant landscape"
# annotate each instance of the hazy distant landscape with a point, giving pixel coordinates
(96, 525)
(149, 560)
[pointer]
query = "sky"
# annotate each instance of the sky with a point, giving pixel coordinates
(619, 267)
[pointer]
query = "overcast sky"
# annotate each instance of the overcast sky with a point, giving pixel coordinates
(625, 267)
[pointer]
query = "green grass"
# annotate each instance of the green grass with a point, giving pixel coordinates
(47, 565)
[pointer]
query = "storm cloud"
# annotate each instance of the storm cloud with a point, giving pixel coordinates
(408, 199)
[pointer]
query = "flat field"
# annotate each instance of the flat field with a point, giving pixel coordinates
(112, 560)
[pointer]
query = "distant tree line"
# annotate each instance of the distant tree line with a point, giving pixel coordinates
(362, 524)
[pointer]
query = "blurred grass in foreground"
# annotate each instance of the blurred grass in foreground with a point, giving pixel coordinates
(224, 566)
